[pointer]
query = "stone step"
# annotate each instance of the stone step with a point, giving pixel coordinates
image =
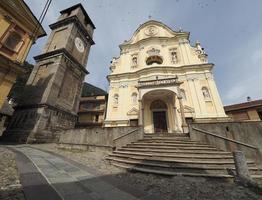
(187, 168)
(168, 138)
(172, 145)
(173, 173)
(170, 159)
(177, 161)
(167, 134)
(179, 169)
(168, 141)
(165, 151)
(169, 173)
(175, 155)
(257, 178)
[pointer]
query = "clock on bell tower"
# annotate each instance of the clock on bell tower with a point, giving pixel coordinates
(73, 33)
(53, 90)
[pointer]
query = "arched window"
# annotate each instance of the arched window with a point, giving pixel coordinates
(205, 93)
(183, 94)
(115, 100)
(134, 98)
(154, 59)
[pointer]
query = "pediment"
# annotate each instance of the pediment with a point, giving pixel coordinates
(153, 29)
(133, 111)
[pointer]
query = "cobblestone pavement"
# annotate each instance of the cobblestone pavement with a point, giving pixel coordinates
(176, 188)
(10, 187)
(73, 183)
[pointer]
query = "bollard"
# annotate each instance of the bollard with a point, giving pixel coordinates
(241, 167)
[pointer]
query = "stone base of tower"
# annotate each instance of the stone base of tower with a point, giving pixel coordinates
(38, 124)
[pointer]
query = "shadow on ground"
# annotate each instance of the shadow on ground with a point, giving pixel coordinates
(125, 185)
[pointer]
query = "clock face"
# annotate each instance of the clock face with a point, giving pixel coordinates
(79, 45)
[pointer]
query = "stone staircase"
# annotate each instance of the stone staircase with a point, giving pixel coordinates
(173, 155)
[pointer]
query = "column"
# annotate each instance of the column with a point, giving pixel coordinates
(140, 122)
(194, 97)
(201, 100)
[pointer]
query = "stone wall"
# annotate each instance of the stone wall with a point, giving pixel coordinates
(98, 137)
(245, 132)
(2, 124)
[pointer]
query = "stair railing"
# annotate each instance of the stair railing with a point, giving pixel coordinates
(224, 138)
(116, 141)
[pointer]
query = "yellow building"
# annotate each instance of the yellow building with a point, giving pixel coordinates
(92, 107)
(161, 82)
(19, 29)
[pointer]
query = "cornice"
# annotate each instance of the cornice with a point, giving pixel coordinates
(64, 52)
(43, 105)
(184, 68)
(142, 41)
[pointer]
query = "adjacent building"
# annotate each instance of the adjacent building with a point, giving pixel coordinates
(161, 82)
(92, 107)
(53, 90)
(19, 29)
(247, 111)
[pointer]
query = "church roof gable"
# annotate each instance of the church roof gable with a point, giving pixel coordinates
(151, 29)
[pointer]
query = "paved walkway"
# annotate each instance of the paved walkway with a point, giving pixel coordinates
(73, 182)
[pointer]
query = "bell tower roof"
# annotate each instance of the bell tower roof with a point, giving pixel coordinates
(75, 7)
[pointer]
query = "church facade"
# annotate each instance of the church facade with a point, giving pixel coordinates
(161, 82)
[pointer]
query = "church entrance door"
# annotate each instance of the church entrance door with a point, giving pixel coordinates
(160, 122)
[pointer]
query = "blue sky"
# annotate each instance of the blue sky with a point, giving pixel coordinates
(229, 30)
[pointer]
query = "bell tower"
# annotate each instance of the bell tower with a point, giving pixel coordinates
(52, 92)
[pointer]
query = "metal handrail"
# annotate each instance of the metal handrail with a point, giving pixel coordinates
(224, 138)
(128, 133)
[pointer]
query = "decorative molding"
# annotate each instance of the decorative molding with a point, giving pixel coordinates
(133, 111)
(187, 109)
(162, 69)
(151, 30)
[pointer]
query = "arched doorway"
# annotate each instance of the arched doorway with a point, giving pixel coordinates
(159, 114)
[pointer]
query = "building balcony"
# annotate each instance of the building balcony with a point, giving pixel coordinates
(88, 124)
(91, 110)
